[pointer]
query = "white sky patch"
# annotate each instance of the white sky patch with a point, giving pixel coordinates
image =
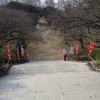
(54, 1)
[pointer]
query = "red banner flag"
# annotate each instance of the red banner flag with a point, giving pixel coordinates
(18, 54)
(76, 50)
(25, 54)
(8, 51)
(92, 44)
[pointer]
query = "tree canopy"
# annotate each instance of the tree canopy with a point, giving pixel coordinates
(14, 24)
(24, 7)
(80, 23)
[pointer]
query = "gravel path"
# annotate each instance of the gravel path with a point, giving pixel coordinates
(50, 80)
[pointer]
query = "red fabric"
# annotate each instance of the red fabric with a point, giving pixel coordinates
(65, 57)
(8, 51)
(25, 54)
(76, 48)
(92, 44)
(67, 54)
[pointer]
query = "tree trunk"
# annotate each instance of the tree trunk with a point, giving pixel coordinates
(81, 41)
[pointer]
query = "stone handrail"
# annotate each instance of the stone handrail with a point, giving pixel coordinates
(6, 68)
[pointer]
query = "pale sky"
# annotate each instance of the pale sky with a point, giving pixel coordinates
(41, 0)
(54, 0)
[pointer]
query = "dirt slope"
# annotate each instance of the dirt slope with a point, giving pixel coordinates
(49, 49)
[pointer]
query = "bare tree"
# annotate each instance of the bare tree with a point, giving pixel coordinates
(82, 24)
(14, 25)
(50, 3)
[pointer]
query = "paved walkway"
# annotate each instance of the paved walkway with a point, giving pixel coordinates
(50, 80)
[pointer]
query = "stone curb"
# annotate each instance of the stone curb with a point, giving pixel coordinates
(92, 66)
(6, 71)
